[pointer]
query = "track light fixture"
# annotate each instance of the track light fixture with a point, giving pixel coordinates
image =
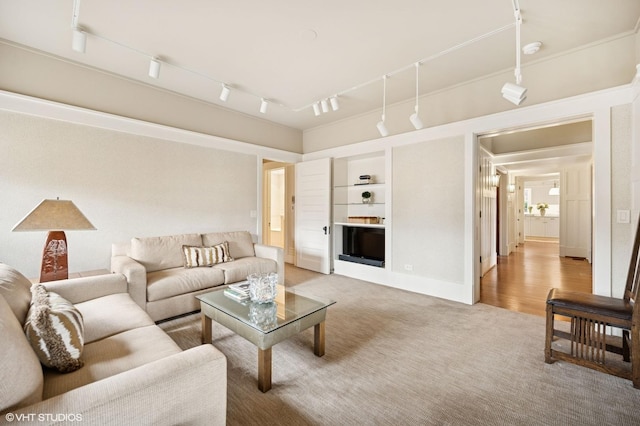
(382, 128)
(512, 92)
(515, 93)
(323, 105)
(334, 103)
(415, 120)
(79, 37)
(154, 68)
(224, 93)
(79, 40)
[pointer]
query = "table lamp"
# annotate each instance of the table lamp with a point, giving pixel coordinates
(54, 216)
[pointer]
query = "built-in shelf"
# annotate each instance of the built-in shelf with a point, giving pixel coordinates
(347, 202)
(363, 225)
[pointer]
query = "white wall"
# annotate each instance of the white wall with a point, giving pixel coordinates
(428, 209)
(621, 233)
(126, 184)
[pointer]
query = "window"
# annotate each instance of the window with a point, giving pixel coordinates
(527, 199)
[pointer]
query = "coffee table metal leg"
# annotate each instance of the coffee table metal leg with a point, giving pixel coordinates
(264, 369)
(318, 339)
(206, 329)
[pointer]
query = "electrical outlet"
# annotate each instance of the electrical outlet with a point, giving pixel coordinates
(408, 267)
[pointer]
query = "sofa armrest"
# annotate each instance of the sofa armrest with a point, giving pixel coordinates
(272, 252)
(77, 290)
(194, 380)
(136, 276)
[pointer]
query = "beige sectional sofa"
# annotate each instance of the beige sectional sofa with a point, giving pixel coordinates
(133, 372)
(161, 284)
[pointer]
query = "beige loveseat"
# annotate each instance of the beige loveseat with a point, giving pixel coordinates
(161, 284)
(133, 372)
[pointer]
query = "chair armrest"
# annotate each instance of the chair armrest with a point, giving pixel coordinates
(77, 290)
(272, 252)
(136, 275)
(194, 380)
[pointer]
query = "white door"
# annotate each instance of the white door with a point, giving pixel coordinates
(487, 213)
(575, 212)
(313, 215)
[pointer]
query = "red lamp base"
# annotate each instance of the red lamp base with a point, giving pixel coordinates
(54, 258)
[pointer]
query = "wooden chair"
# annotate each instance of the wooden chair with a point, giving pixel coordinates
(590, 316)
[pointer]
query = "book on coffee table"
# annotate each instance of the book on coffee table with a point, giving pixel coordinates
(242, 287)
(235, 295)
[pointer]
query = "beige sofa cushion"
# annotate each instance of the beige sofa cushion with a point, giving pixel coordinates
(157, 253)
(107, 357)
(172, 282)
(55, 329)
(16, 289)
(238, 270)
(21, 378)
(240, 242)
(112, 314)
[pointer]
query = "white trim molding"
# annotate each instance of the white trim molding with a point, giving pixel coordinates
(14, 102)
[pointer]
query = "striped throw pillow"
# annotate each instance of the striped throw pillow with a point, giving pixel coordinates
(206, 256)
(55, 329)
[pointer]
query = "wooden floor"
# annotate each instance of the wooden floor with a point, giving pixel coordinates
(521, 281)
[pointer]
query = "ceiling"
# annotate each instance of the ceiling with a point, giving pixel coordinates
(541, 151)
(297, 52)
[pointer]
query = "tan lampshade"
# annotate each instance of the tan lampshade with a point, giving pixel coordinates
(54, 215)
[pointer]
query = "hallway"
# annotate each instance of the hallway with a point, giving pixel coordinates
(521, 281)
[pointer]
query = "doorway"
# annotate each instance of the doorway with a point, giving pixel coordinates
(516, 279)
(278, 207)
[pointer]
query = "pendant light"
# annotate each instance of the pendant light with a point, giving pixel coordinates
(79, 41)
(515, 93)
(555, 190)
(415, 120)
(382, 128)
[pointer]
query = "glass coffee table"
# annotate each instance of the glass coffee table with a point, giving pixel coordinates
(265, 324)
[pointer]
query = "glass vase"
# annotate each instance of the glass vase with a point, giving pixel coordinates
(263, 287)
(264, 315)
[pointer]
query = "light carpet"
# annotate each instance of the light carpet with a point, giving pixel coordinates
(399, 358)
